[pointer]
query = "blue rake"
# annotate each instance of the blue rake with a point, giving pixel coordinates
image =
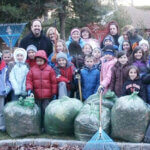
(101, 141)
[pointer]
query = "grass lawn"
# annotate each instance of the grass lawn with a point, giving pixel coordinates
(4, 136)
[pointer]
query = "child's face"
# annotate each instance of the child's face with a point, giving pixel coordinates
(96, 54)
(108, 42)
(132, 74)
(31, 54)
(125, 35)
(19, 57)
(7, 58)
(144, 47)
(40, 61)
(62, 62)
(85, 34)
(75, 36)
(138, 55)
(108, 57)
(60, 47)
(87, 50)
(123, 59)
(89, 62)
(126, 46)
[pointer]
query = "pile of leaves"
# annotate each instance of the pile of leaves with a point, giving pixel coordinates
(34, 147)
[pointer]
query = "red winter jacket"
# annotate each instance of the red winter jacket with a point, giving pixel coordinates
(42, 79)
(31, 62)
(65, 74)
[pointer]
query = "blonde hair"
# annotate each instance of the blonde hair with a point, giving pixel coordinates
(53, 29)
(65, 50)
(7, 52)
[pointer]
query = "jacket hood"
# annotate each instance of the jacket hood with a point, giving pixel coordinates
(41, 54)
(20, 51)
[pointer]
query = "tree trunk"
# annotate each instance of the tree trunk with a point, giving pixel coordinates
(62, 20)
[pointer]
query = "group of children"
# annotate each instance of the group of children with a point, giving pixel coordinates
(30, 72)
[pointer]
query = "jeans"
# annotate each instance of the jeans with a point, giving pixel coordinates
(2, 121)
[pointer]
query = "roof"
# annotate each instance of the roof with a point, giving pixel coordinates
(140, 18)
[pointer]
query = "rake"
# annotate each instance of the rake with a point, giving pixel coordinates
(101, 141)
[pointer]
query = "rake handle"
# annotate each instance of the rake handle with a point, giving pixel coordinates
(100, 112)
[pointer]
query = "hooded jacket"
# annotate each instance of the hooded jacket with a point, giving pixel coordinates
(18, 73)
(41, 42)
(90, 80)
(5, 85)
(119, 76)
(42, 79)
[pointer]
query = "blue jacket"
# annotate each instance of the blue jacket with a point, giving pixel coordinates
(90, 81)
(81, 42)
(17, 78)
(5, 85)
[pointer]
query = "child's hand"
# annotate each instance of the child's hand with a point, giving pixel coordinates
(100, 89)
(30, 93)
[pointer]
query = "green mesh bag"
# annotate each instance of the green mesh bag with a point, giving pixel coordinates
(60, 115)
(22, 118)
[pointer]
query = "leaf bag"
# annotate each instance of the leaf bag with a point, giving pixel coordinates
(60, 114)
(87, 121)
(129, 118)
(108, 99)
(22, 118)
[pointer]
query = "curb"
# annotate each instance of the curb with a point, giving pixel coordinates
(45, 142)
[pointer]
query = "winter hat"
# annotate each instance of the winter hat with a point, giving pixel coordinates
(144, 42)
(109, 49)
(108, 37)
(75, 30)
(61, 55)
(31, 47)
(20, 51)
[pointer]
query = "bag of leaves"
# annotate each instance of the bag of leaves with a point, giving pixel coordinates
(108, 99)
(129, 118)
(87, 122)
(22, 117)
(60, 114)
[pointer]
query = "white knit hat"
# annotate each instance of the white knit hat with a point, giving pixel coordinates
(20, 51)
(144, 42)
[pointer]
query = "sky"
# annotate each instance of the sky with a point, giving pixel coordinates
(135, 2)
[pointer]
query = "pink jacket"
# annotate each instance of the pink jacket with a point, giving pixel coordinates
(105, 75)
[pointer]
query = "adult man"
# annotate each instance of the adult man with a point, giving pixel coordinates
(37, 38)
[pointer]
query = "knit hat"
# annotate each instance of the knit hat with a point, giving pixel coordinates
(108, 37)
(31, 47)
(75, 30)
(109, 49)
(61, 55)
(20, 51)
(144, 42)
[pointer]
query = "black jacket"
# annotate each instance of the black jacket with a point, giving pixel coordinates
(134, 85)
(42, 42)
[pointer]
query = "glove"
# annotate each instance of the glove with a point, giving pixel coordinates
(100, 89)
(30, 93)
(54, 97)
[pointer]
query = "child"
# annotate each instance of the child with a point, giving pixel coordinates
(31, 51)
(5, 87)
(64, 72)
(60, 47)
(127, 48)
(134, 83)
(41, 80)
(87, 49)
(97, 57)
(90, 78)
(139, 60)
(119, 73)
(7, 56)
(108, 40)
(107, 64)
(18, 73)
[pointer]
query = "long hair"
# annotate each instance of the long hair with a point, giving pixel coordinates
(133, 59)
(137, 70)
(129, 52)
(65, 50)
